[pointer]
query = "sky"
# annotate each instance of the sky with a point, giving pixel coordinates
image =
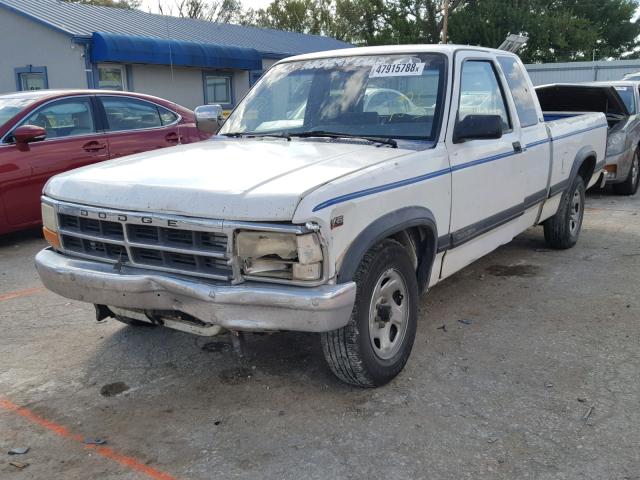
(152, 5)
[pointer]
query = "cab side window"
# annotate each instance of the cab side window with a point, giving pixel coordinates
(64, 118)
(522, 97)
(481, 94)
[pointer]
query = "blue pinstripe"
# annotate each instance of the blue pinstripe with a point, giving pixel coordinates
(438, 173)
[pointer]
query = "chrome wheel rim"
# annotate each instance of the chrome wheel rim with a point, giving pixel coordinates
(388, 314)
(575, 218)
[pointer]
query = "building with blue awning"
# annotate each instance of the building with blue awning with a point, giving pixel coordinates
(54, 44)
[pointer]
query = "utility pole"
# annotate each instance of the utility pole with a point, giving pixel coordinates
(445, 21)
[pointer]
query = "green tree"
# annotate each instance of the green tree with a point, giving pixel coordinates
(417, 21)
(221, 11)
(361, 22)
(126, 4)
(558, 30)
(612, 21)
(305, 16)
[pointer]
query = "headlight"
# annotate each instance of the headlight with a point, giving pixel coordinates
(285, 256)
(616, 144)
(50, 225)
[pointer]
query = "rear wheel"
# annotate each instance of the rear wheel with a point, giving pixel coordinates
(563, 229)
(375, 345)
(630, 185)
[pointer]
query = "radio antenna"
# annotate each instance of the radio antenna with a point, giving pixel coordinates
(173, 83)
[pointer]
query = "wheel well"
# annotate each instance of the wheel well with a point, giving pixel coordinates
(420, 245)
(412, 227)
(587, 168)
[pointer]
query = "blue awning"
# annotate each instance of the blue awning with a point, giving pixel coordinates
(109, 47)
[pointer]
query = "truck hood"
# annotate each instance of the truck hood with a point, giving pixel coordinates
(239, 179)
(586, 97)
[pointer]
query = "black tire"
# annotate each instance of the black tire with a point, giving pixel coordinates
(132, 322)
(630, 185)
(351, 352)
(563, 229)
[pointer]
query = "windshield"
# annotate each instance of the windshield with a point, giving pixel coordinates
(10, 107)
(626, 93)
(391, 96)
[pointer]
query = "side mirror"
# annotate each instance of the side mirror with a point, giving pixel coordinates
(209, 118)
(29, 133)
(478, 127)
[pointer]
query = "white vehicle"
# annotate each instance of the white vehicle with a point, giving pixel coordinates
(334, 225)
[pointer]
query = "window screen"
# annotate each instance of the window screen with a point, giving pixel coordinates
(32, 81)
(218, 89)
(111, 77)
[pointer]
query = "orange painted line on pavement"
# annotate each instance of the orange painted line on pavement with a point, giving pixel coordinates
(21, 293)
(106, 452)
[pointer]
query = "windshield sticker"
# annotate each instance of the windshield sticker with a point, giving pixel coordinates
(622, 89)
(396, 69)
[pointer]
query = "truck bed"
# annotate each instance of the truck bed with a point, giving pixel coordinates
(571, 134)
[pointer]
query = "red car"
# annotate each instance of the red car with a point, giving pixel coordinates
(46, 132)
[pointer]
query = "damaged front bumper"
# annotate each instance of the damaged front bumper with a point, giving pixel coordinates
(250, 306)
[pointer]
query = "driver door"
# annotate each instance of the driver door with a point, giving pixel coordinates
(487, 176)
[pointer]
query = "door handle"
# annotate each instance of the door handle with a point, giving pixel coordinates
(172, 137)
(517, 147)
(94, 146)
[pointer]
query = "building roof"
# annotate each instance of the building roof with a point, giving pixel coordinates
(80, 20)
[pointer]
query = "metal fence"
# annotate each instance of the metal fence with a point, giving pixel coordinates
(542, 73)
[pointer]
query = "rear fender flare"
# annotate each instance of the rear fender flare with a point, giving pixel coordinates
(583, 154)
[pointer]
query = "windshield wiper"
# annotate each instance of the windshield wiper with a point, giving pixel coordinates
(325, 134)
(284, 135)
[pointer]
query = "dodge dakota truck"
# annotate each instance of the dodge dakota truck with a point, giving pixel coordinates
(341, 187)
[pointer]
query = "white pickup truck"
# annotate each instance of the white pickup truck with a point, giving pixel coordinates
(341, 187)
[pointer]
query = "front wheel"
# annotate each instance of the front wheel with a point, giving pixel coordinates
(375, 345)
(630, 185)
(563, 229)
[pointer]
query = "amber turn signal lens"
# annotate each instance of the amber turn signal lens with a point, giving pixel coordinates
(611, 168)
(51, 237)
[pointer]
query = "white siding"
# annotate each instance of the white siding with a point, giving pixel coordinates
(183, 87)
(240, 84)
(26, 42)
(267, 63)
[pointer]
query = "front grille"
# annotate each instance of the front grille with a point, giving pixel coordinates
(196, 252)
(95, 248)
(90, 226)
(178, 238)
